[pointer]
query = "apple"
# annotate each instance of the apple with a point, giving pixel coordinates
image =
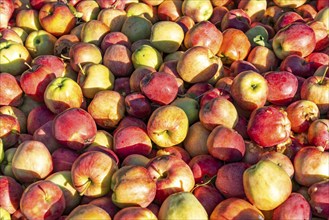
(63, 159)
(146, 55)
(153, 88)
(106, 203)
(128, 121)
(310, 165)
(113, 38)
(322, 16)
(198, 11)
(295, 207)
(205, 65)
(11, 193)
(113, 18)
(89, 9)
(258, 36)
(218, 14)
(297, 38)
(55, 64)
(13, 57)
(235, 208)
(10, 91)
(2, 151)
(64, 181)
(268, 126)
(92, 172)
(105, 150)
(281, 160)
(57, 18)
(204, 167)
(137, 105)
(321, 36)
(263, 59)
(318, 133)
(38, 117)
(289, 4)
(218, 111)
(118, 59)
(169, 10)
(297, 65)
(225, 83)
(135, 160)
(64, 43)
(74, 128)
(176, 151)
(9, 34)
(87, 82)
(186, 22)
(255, 10)
(318, 193)
(88, 212)
(63, 93)
(307, 11)
(315, 89)
(301, 114)
(136, 28)
(195, 142)
(260, 186)
(42, 199)
(287, 18)
(107, 108)
(143, 9)
(171, 175)
(167, 126)
(44, 135)
(21, 32)
(7, 10)
(237, 19)
(93, 32)
(208, 196)
(6, 164)
(122, 86)
(132, 186)
(234, 48)
(282, 87)
(190, 106)
(137, 213)
(40, 42)
(10, 130)
(28, 20)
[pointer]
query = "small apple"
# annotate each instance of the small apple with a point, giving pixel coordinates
(118, 59)
(28, 20)
(40, 42)
(318, 133)
(93, 32)
(146, 55)
(113, 38)
(136, 28)
(113, 18)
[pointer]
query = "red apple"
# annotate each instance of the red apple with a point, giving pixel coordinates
(208, 196)
(169, 10)
(10, 91)
(122, 86)
(237, 19)
(137, 213)
(118, 59)
(137, 105)
(318, 133)
(11, 193)
(186, 22)
(18, 114)
(113, 38)
(263, 59)
(53, 63)
(88, 211)
(63, 158)
(42, 200)
(7, 8)
(318, 193)
(137, 75)
(297, 65)
(239, 66)
(38, 117)
(10, 130)
(287, 18)
(44, 135)
(107, 204)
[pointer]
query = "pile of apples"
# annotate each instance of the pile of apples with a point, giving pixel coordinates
(164, 109)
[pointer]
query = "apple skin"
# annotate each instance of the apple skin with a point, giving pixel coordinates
(234, 48)
(57, 18)
(318, 193)
(35, 81)
(7, 10)
(195, 142)
(105, 150)
(167, 126)
(297, 38)
(146, 55)
(13, 56)
(297, 65)
(229, 180)
(314, 89)
(153, 88)
(106, 203)
(289, 4)
(10, 91)
(113, 38)
(235, 208)
(263, 59)
(260, 177)
(44, 134)
(281, 160)
(135, 160)
(205, 34)
(225, 144)
(92, 172)
(198, 11)
(310, 165)
(55, 64)
(239, 66)
(131, 140)
(186, 22)
(171, 175)
(89, 10)
(137, 105)
(93, 32)
(318, 133)
(213, 93)
(204, 167)
(137, 213)
(28, 20)
(268, 126)
(176, 151)
(295, 207)
(27, 159)
(63, 158)
(287, 18)
(218, 111)
(118, 59)
(321, 36)
(169, 10)
(10, 130)
(132, 186)
(40, 42)
(130, 121)
(237, 19)
(107, 108)
(42, 200)
(301, 114)
(254, 10)
(64, 181)
(190, 106)
(178, 206)
(6, 164)
(64, 43)
(71, 134)
(282, 87)
(88, 212)
(11, 193)
(136, 28)
(63, 93)
(113, 18)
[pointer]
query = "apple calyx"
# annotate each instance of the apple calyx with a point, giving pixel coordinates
(85, 186)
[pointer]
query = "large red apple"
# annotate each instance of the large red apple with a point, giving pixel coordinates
(11, 193)
(318, 133)
(10, 91)
(318, 193)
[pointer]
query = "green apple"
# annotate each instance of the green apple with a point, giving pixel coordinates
(258, 36)
(190, 106)
(93, 32)
(13, 57)
(266, 185)
(4, 214)
(6, 164)
(40, 43)
(93, 78)
(63, 93)
(64, 181)
(167, 36)
(136, 28)
(323, 16)
(182, 205)
(146, 55)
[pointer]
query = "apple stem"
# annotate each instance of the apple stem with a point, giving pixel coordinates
(65, 57)
(80, 67)
(203, 184)
(28, 65)
(324, 75)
